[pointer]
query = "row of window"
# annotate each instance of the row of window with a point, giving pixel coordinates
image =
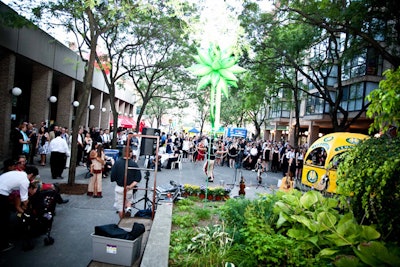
(353, 100)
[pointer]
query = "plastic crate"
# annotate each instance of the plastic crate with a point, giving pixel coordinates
(116, 251)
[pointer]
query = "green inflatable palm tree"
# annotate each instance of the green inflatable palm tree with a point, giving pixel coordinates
(216, 68)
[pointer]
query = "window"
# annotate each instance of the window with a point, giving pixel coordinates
(280, 110)
(353, 97)
(315, 105)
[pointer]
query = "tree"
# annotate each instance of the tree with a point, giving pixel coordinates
(87, 20)
(316, 56)
(156, 66)
(385, 103)
(372, 23)
(156, 108)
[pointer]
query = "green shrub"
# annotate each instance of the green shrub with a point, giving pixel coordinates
(370, 174)
(202, 214)
(185, 220)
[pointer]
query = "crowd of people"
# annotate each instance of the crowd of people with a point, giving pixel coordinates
(234, 152)
(37, 144)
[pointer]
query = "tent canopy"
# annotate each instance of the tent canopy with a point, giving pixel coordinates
(194, 130)
(125, 122)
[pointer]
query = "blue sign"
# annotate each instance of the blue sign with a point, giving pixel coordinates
(237, 132)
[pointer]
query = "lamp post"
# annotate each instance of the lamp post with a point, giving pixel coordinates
(16, 91)
(52, 99)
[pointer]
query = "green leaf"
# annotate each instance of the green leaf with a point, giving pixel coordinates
(328, 252)
(369, 233)
(326, 220)
(297, 234)
(346, 261)
(338, 240)
(310, 224)
(369, 252)
(309, 198)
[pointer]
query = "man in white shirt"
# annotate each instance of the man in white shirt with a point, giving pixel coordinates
(9, 182)
(106, 139)
(59, 153)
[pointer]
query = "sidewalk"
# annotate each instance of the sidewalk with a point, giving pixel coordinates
(75, 221)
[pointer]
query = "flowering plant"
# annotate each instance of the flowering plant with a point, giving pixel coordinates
(219, 191)
(191, 189)
(203, 189)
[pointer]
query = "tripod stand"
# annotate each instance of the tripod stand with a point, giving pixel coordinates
(147, 202)
(238, 169)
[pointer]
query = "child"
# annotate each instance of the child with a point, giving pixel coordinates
(96, 168)
(259, 169)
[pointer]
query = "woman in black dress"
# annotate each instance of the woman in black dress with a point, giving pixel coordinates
(275, 160)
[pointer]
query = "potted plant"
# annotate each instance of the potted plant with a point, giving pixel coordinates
(187, 190)
(202, 193)
(211, 193)
(193, 190)
(219, 193)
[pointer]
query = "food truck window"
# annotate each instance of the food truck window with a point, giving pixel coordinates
(335, 162)
(317, 156)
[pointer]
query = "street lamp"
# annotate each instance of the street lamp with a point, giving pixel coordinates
(91, 107)
(53, 99)
(75, 104)
(16, 91)
(103, 109)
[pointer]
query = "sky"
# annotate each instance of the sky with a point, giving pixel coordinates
(218, 25)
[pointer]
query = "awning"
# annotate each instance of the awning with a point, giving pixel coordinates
(124, 122)
(194, 130)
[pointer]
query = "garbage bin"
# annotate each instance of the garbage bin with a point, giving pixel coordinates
(113, 153)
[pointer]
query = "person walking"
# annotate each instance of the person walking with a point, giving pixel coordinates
(59, 151)
(133, 177)
(210, 162)
(96, 168)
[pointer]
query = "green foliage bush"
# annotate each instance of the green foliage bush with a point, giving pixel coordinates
(282, 229)
(370, 174)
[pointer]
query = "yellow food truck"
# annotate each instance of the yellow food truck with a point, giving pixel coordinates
(321, 159)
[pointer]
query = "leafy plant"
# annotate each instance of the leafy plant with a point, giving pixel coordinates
(370, 174)
(185, 220)
(202, 214)
(385, 102)
(191, 189)
(219, 191)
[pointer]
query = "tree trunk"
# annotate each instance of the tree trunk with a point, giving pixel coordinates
(84, 97)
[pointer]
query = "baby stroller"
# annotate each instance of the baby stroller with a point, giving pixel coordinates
(38, 219)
